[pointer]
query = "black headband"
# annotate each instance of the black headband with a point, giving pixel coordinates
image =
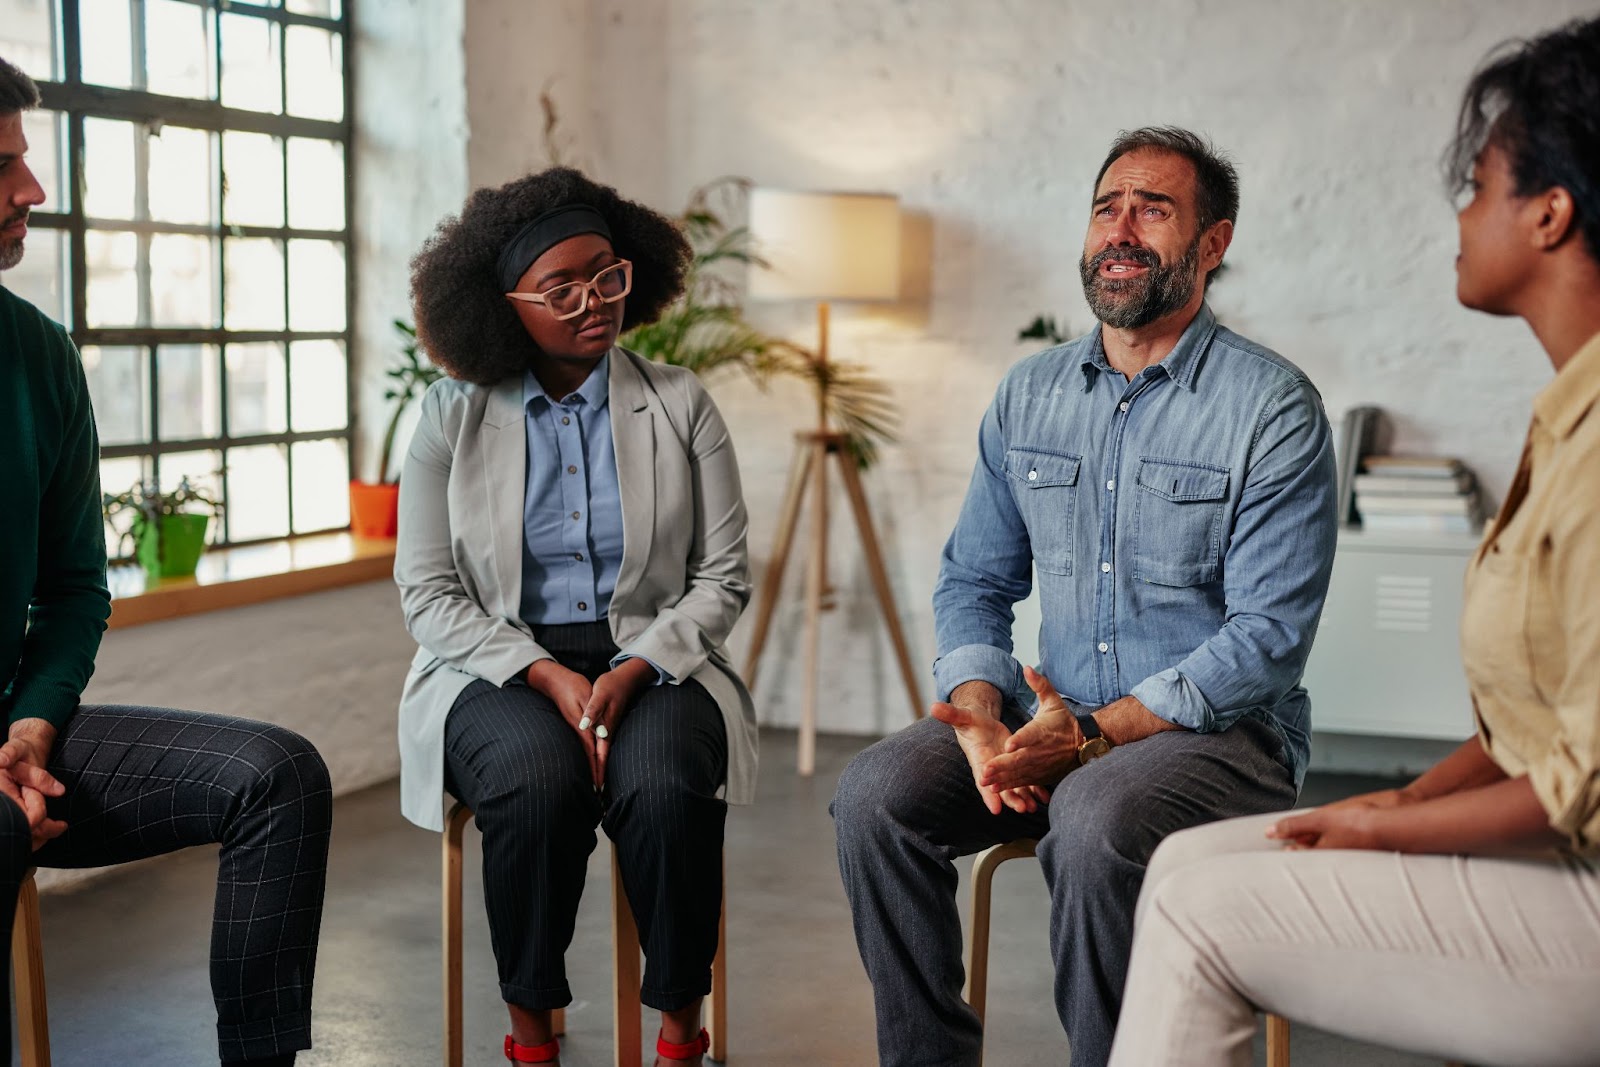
(543, 234)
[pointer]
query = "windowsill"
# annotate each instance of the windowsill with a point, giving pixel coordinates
(234, 577)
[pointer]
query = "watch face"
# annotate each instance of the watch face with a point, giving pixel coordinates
(1093, 748)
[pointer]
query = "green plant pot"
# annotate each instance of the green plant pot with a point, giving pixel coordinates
(172, 547)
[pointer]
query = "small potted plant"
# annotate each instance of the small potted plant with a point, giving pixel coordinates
(168, 529)
(374, 506)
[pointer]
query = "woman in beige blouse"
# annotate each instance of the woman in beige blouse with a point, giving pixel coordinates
(1458, 917)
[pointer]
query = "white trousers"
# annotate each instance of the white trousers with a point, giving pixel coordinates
(1486, 960)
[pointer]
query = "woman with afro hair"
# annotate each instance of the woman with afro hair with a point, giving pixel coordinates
(571, 559)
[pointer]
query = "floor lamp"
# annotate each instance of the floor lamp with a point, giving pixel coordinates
(824, 247)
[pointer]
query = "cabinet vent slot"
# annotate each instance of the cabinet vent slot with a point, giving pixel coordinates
(1403, 604)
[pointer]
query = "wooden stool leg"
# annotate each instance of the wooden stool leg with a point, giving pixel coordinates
(558, 1022)
(717, 1011)
(1277, 1041)
(27, 969)
(454, 828)
(625, 972)
(983, 868)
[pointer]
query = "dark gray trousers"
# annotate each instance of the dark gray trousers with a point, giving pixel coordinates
(512, 759)
(907, 807)
(145, 781)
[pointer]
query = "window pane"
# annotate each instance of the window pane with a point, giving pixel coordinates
(118, 476)
(191, 392)
(252, 77)
(257, 390)
(178, 51)
(258, 492)
(204, 471)
(41, 277)
(321, 485)
(108, 47)
(183, 285)
(46, 134)
(316, 285)
(253, 296)
(108, 169)
(182, 170)
(328, 9)
(252, 179)
(112, 287)
(315, 62)
(316, 184)
(27, 37)
(317, 374)
(119, 386)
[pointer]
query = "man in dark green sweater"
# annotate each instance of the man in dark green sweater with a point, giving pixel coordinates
(93, 785)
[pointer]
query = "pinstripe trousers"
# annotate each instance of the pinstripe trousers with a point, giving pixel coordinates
(146, 781)
(512, 759)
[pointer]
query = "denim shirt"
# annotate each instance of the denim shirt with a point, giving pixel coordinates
(1182, 525)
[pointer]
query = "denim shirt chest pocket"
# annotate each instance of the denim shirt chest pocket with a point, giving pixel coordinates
(1045, 486)
(1178, 522)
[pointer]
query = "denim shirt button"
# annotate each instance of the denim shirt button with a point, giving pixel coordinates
(1123, 406)
(1105, 568)
(1033, 476)
(1111, 485)
(1104, 647)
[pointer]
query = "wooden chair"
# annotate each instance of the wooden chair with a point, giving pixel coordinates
(27, 976)
(626, 972)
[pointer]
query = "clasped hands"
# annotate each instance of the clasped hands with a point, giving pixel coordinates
(1013, 770)
(24, 779)
(594, 710)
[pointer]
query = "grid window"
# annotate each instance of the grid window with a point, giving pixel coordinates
(195, 241)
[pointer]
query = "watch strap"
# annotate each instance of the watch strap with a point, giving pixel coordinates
(1090, 728)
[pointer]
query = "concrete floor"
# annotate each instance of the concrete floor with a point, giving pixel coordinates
(126, 956)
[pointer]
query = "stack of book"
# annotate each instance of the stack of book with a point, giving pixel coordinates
(1417, 494)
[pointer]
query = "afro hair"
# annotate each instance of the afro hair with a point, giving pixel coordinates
(464, 321)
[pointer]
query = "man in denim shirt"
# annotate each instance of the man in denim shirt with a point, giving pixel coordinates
(1173, 486)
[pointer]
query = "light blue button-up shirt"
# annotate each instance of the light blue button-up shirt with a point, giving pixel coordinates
(1182, 526)
(572, 507)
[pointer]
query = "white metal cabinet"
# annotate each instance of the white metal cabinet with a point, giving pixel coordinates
(1387, 658)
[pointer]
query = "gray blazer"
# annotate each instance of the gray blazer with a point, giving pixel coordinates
(685, 574)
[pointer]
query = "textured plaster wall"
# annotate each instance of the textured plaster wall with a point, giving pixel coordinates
(410, 164)
(989, 120)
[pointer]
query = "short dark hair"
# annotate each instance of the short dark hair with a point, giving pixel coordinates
(1538, 100)
(17, 91)
(1216, 182)
(465, 322)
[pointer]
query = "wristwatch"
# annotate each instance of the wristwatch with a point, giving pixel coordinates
(1094, 743)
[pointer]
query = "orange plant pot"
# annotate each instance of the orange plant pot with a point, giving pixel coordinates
(374, 509)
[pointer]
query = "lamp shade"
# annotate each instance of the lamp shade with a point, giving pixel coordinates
(825, 246)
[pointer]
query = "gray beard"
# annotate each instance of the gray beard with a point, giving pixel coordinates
(1128, 305)
(10, 253)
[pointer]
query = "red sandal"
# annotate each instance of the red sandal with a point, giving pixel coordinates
(687, 1051)
(548, 1052)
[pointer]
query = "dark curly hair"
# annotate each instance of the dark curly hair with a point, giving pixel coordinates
(463, 319)
(1539, 101)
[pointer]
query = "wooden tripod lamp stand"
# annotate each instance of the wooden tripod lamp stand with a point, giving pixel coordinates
(824, 247)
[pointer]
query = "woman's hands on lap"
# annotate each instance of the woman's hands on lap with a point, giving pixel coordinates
(1346, 823)
(613, 694)
(570, 692)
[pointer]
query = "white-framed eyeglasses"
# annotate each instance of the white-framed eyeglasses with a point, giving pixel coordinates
(570, 299)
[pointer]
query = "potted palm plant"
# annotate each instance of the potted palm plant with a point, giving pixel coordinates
(167, 529)
(374, 506)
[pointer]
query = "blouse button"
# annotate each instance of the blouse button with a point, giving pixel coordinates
(572, 470)
(575, 514)
(582, 606)
(565, 421)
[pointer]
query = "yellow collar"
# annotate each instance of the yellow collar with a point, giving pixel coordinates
(1562, 404)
